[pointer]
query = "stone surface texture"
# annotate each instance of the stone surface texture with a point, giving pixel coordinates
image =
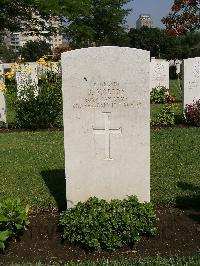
(159, 73)
(106, 123)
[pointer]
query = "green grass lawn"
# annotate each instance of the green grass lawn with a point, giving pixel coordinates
(175, 89)
(175, 168)
(32, 167)
(192, 261)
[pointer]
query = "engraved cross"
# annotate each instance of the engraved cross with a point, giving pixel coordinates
(107, 131)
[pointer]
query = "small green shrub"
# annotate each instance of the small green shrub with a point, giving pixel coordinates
(166, 117)
(13, 218)
(42, 111)
(159, 95)
(98, 224)
(192, 113)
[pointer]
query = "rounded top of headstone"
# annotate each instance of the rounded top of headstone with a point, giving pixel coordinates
(192, 59)
(102, 49)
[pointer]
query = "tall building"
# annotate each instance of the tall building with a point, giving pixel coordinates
(144, 20)
(16, 40)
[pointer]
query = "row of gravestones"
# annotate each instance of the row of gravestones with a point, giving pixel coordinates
(106, 110)
(159, 76)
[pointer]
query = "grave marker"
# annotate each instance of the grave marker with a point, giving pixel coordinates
(106, 123)
(159, 73)
(27, 76)
(191, 80)
(3, 111)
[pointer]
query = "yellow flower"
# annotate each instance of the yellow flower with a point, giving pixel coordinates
(15, 65)
(41, 61)
(9, 75)
(30, 69)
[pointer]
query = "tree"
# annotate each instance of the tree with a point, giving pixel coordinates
(184, 17)
(33, 50)
(190, 44)
(7, 55)
(13, 12)
(103, 25)
(152, 39)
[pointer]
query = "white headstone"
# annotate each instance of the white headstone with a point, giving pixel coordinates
(178, 68)
(26, 77)
(159, 73)
(1, 71)
(106, 123)
(3, 117)
(191, 80)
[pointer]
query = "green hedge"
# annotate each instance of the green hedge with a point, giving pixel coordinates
(98, 224)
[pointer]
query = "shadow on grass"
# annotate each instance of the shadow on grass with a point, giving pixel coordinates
(55, 181)
(191, 201)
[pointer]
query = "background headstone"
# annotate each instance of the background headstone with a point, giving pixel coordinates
(3, 117)
(159, 73)
(191, 80)
(1, 71)
(178, 68)
(106, 121)
(27, 76)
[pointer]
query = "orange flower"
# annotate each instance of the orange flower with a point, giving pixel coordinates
(172, 32)
(176, 7)
(181, 29)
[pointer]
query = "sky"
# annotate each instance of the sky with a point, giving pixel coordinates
(156, 8)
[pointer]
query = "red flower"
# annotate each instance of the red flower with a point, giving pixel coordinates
(170, 99)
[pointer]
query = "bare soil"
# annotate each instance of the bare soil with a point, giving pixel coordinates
(178, 235)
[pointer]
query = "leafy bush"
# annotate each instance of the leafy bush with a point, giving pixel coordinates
(13, 218)
(159, 95)
(99, 224)
(166, 117)
(33, 50)
(192, 113)
(43, 110)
